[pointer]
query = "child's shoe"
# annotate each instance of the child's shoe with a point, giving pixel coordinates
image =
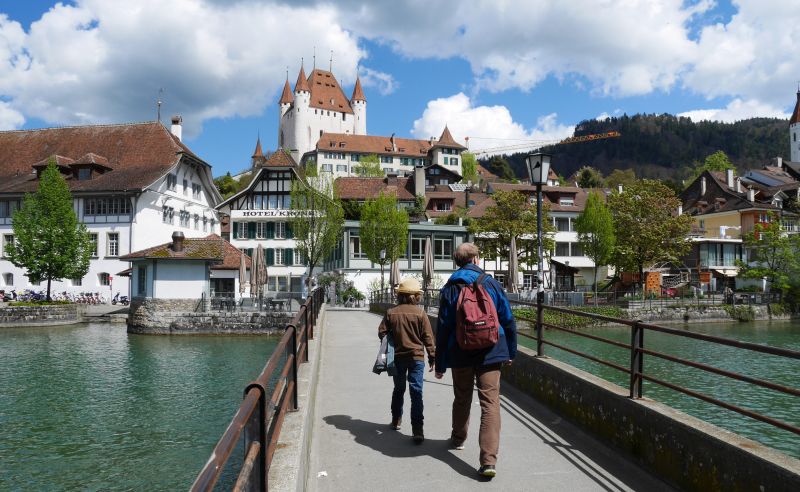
(396, 423)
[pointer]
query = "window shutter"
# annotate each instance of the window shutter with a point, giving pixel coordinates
(270, 256)
(251, 230)
(288, 256)
(250, 252)
(289, 232)
(270, 230)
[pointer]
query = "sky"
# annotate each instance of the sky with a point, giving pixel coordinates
(497, 71)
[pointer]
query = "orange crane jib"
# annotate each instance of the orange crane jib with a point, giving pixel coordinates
(585, 138)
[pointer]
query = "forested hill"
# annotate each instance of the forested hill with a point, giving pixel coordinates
(663, 146)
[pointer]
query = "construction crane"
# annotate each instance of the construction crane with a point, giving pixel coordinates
(535, 144)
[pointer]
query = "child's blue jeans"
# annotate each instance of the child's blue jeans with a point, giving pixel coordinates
(413, 370)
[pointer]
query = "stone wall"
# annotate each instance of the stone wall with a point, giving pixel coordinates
(698, 314)
(57, 314)
(183, 317)
(687, 452)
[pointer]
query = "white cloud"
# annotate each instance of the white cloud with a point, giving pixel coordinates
(382, 81)
(736, 110)
(101, 61)
(487, 126)
(10, 118)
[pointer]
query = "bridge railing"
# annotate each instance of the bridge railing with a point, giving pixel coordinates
(260, 416)
(637, 350)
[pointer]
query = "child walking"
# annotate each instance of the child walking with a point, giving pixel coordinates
(412, 335)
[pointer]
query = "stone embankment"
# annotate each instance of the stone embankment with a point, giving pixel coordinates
(705, 314)
(55, 314)
(186, 317)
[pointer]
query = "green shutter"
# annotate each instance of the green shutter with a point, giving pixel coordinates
(270, 256)
(270, 230)
(250, 252)
(251, 230)
(288, 256)
(289, 232)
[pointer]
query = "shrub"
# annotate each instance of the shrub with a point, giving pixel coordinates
(741, 313)
(573, 321)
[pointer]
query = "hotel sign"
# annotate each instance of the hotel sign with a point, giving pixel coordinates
(264, 214)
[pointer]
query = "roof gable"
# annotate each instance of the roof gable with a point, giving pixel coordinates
(326, 92)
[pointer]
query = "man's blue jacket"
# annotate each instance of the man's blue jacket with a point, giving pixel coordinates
(448, 353)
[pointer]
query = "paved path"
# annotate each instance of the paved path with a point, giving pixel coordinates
(353, 448)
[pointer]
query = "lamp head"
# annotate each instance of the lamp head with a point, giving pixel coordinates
(538, 164)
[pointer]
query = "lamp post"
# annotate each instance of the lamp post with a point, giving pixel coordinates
(383, 260)
(538, 168)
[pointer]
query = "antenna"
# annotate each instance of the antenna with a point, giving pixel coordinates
(315, 58)
(158, 104)
(331, 65)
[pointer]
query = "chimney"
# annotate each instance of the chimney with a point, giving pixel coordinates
(177, 241)
(619, 188)
(391, 179)
(738, 185)
(419, 181)
(177, 129)
(466, 197)
(703, 186)
(751, 195)
(680, 209)
(730, 178)
(778, 161)
(394, 146)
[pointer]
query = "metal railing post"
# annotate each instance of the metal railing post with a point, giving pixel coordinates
(637, 360)
(295, 402)
(256, 430)
(539, 320)
(309, 319)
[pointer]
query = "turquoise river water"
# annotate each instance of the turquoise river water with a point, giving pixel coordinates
(780, 370)
(89, 407)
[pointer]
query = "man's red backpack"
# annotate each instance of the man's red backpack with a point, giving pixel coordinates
(477, 326)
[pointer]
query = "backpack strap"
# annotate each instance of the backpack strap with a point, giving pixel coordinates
(479, 280)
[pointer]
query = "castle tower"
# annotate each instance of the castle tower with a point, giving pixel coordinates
(258, 155)
(359, 104)
(286, 105)
(300, 126)
(794, 129)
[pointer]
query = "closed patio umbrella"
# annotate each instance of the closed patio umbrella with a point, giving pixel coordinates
(513, 266)
(261, 270)
(394, 274)
(242, 273)
(254, 275)
(427, 264)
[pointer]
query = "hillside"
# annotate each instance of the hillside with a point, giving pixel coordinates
(665, 146)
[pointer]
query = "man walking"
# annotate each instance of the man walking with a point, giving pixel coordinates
(479, 367)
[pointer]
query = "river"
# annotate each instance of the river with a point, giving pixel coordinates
(89, 407)
(769, 402)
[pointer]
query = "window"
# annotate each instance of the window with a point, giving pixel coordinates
(327, 168)
(205, 224)
(107, 206)
(279, 256)
(355, 157)
(93, 238)
(196, 222)
(76, 282)
(104, 278)
(355, 247)
(280, 230)
(443, 248)
(196, 190)
(334, 155)
(562, 224)
(213, 223)
(8, 279)
(240, 230)
(172, 182)
(341, 168)
(113, 244)
(443, 206)
(527, 281)
(8, 240)
(386, 159)
(84, 174)
(167, 215)
(186, 187)
(562, 249)
(261, 230)
(184, 218)
(566, 202)
(576, 249)
(417, 248)
(141, 281)
(8, 207)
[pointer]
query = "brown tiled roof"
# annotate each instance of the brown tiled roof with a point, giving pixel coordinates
(353, 188)
(486, 175)
(796, 114)
(369, 144)
(138, 153)
(326, 92)
(211, 247)
(258, 152)
(302, 83)
(286, 95)
(718, 197)
(233, 256)
(358, 94)
(447, 140)
(280, 158)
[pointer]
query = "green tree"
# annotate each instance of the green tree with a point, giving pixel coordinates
(718, 161)
(595, 228)
(500, 167)
(369, 166)
(624, 177)
(50, 243)
(773, 255)
(645, 214)
(384, 227)
(226, 185)
(317, 220)
(469, 167)
(589, 177)
(512, 216)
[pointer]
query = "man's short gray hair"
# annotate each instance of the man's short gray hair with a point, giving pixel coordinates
(464, 254)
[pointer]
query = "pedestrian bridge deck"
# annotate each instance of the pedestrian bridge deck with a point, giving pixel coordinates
(353, 448)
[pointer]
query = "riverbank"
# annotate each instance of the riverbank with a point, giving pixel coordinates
(41, 315)
(707, 314)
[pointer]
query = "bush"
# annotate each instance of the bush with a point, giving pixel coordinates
(741, 313)
(351, 291)
(573, 321)
(37, 303)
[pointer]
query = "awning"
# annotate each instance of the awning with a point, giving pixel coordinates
(726, 272)
(564, 266)
(125, 273)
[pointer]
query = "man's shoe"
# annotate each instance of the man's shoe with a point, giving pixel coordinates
(487, 471)
(396, 423)
(457, 444)
(419, 436)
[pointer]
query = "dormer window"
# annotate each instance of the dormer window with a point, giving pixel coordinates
(84, 174)
(566, 202)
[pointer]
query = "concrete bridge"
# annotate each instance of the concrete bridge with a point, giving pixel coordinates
(340, 438)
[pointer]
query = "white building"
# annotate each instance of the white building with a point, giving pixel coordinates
(316, 106)
(133, 185)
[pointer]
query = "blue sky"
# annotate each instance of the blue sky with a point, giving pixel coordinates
(525, 70)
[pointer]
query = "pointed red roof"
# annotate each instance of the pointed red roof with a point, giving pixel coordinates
(447, 140)
(286, 96)
(280, 158)
(302, 83)
(258, 152)
(796, 114)
(358, 94)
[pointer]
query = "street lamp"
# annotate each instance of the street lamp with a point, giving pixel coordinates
(383, 259)
(538, 169)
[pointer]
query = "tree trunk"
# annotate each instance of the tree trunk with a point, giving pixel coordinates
(48, 289)
(595, 284)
